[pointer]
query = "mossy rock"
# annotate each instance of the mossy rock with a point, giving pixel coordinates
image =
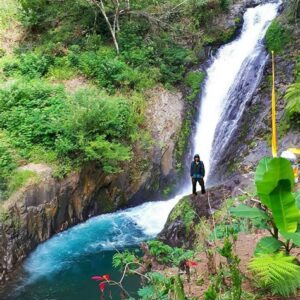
(185, 211)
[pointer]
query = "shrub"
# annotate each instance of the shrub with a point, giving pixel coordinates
(61, 69)
(30, 111)
(110, 73)
(2, 52)
(168, 255)
(96, 129)
(33, 65)
(7, 165)
(224, 4)
(276, 37)
(32, 11)
(10, 65)
(109, 153)
(173, 60)
(30, 65)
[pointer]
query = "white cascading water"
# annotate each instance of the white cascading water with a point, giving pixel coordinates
(131, 226)
(224, 72)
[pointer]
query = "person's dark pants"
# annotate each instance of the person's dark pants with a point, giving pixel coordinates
(201, 182)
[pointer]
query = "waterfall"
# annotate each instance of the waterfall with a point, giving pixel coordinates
(222, 102)
(222, 105)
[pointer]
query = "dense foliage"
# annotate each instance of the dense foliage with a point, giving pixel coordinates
(87, 126)
(64, 40)
(276, 37)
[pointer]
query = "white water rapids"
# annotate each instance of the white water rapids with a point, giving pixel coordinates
(131, 226)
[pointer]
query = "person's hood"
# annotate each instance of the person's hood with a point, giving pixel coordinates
(196, 156)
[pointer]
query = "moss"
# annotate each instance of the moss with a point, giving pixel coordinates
(183, 140)
(277, 37)
(193, 80)
(20, 178)
(168, 190)
(184, 211)
(219, 37)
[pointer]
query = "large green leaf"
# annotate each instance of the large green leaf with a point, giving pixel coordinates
(268, 173)
(274, 181)
(245, 211)
(283, 205)
(267, 245)
(297, 197)
(294, 236)
(261, 180)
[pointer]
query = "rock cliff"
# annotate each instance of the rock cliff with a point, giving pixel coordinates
(49, 206)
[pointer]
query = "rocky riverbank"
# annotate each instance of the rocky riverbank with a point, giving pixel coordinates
(43, 208)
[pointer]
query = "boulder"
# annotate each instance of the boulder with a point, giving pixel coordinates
(179, 230)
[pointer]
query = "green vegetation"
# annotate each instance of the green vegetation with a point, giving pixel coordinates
(279, 214)
(43, 119)
(194, 80)
(156, 285)
(170, 271)
(168, 255)
(276, 37)
(277, 272)
(184, 209)
(88, 126)
(19, 178)
(292, 97)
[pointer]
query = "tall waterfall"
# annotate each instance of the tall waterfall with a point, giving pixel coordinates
(221, 107)
(231, 81)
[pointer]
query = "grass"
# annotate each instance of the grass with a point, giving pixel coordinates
(8, 10)
(20, 178)
(9, 29)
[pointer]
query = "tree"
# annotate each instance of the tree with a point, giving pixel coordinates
(114, 7)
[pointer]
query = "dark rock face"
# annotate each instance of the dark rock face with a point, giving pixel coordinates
(52, 206)
(180, 231)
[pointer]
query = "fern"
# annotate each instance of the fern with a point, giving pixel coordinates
(277, 272)
(293, 102)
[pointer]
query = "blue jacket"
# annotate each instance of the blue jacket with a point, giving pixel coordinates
(197, 171)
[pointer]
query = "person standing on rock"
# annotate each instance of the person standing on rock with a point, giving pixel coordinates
(197, 174)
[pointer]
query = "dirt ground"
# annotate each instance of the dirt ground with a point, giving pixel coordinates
(244, 248)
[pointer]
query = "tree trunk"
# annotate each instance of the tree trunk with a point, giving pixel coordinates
(112, 28)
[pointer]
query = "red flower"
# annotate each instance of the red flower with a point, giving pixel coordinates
(98, 278)
(191, 263)
(103, 278)
(106, 277)
(102, 286)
